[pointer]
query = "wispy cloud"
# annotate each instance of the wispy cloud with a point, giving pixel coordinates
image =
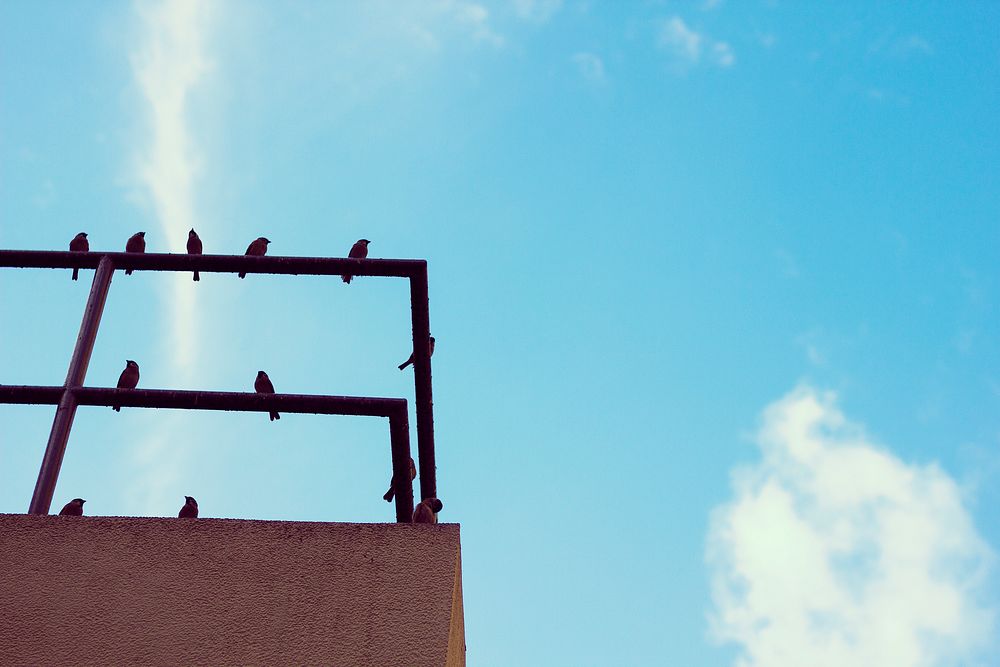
(690, 47)
(591, 67)
(538, 11)
(475, 18)
(835, 552)
(168, 64)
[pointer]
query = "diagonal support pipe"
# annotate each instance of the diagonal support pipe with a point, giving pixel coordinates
(45, 487)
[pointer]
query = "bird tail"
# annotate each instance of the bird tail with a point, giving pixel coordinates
(406, 363)
(76, 272)
(243, 275)
(197, 277)
(275, 415)
(389, 495)
(347, 279)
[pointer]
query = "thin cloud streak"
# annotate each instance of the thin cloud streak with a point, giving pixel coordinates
(167, 66)
(835, 552)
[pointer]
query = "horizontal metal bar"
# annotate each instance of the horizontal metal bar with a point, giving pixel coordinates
(316, 266)
(208, 400)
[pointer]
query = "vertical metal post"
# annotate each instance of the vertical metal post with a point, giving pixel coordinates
(399, 435)
(420, 308)
(41, 499)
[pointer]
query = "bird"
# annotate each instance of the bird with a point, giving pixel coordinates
(257, 248)
(128, 379)
(194, 247)
(410, 360)
(358, 251)
(262, 385)
(426, 511)
(136, 243)
(190, 509)
(79, 244)
(391, 493)
(73, 508)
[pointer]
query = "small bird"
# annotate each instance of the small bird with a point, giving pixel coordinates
(73, 508)
(79, 244)
(426, 511)
(194, 247)
(391, 493)
(257, 248)
(190, 509)
(262, 385)
(128, 379)
(136, 243)
(358, 251)
(410, 360)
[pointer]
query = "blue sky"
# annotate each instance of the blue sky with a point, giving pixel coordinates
(714, 286)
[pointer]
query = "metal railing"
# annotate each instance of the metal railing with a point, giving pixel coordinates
(72, 393)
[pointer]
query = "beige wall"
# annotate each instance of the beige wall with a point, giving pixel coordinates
(114, 590)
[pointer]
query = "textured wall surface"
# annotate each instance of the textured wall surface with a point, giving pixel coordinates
(116, 590)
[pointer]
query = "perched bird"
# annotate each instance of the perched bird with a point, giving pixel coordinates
(257, 248)
(358, 251)
(73, 508)
(410, 360)
(190, 509)
(426, 511)
(136, 243)
(79, 244)
(128, 379)
(194, 247)
(262, 385)
(391, 493)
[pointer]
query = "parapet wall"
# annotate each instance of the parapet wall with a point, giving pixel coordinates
(116, 590)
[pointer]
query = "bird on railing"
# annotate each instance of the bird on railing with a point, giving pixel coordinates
(358, 251)
(136, 243)
(73, 508)
(257, 248)
(128, 379)
(427, 511)
(79, 244)
(391, 493)
(194, 247)
(190, 509)
(262, 385)
(410, 360)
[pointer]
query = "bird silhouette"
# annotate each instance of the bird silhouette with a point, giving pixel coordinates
(194, 247)
(73, 508)
(257, 248)
(426, 511)
(410, 360)
(190, 509)
(358, 251)
(128, 379)
(391, 493)
(79, 244)
(136, 243)
(262, 385)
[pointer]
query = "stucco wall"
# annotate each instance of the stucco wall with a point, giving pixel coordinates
(115, 590)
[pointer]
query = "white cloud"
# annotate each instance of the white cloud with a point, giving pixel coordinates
(684, 42)
(688, 46)
(834, 552)
(475, 18)
(722, 54)
(538, 11)
(591, 66)
(168, 64)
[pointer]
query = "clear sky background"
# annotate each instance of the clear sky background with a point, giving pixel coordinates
(714, 286)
